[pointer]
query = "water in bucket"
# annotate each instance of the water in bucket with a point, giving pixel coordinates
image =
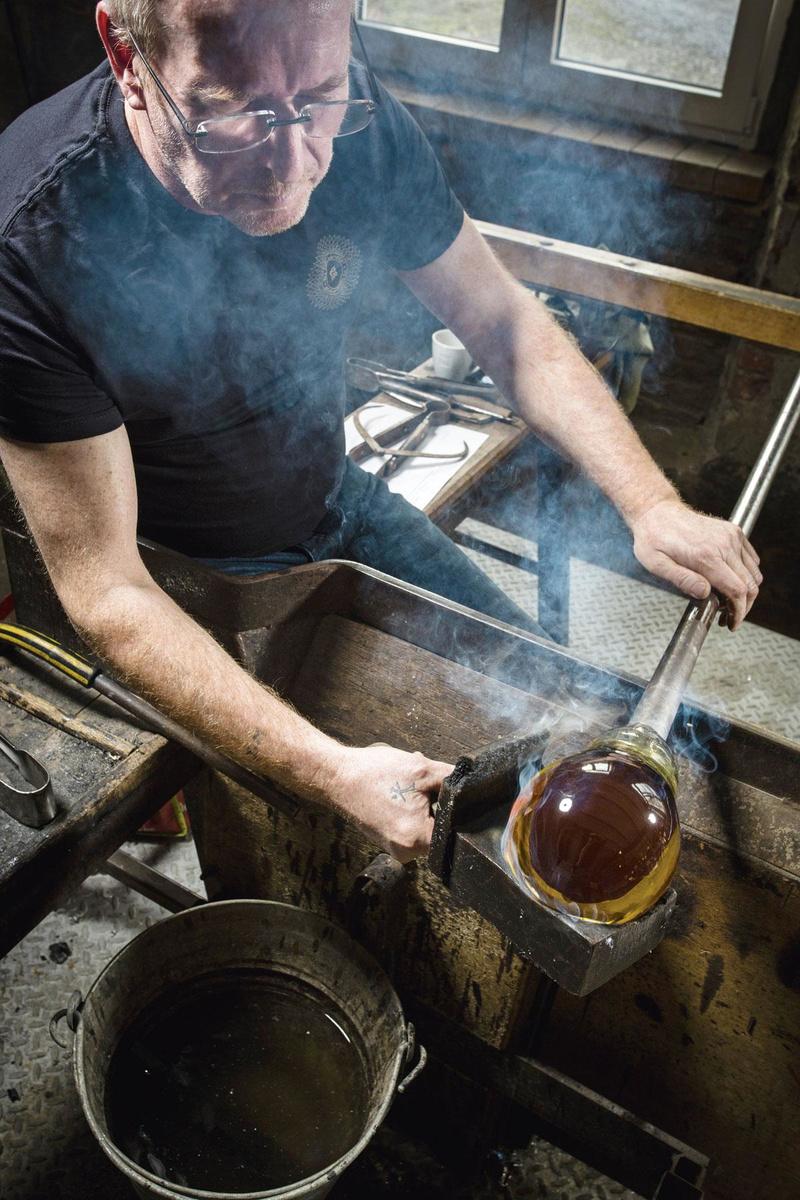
(240, 1081)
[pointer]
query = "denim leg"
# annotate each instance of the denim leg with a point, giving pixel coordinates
(369, 524)
(280, 560)
(384, 531)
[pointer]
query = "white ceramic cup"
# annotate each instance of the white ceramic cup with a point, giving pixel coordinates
(451, 359)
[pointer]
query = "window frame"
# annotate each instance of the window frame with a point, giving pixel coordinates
(430, 58)
(524, 71)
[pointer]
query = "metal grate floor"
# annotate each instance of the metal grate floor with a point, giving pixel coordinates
(621, 623)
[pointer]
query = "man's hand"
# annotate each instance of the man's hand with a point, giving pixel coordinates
(697, 553)
(388, 793)
(555, 390)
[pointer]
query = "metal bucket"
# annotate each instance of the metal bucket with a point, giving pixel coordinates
(230, 935)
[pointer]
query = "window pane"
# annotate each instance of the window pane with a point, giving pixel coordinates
(472, 20)
(677, 41)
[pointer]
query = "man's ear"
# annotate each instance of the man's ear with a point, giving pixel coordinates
(120, 57)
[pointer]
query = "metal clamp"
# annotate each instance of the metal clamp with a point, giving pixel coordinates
(422, 1053)
(71, 1014)
(34, 805)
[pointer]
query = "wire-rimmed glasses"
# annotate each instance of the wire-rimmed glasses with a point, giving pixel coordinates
(245, 131)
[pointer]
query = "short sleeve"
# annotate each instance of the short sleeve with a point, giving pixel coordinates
(47, 393)
(423, 216)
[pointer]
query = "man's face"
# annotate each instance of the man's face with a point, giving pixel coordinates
(223, 57)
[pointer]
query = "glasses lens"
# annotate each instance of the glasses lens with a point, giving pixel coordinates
(338, 118)
(226, 135)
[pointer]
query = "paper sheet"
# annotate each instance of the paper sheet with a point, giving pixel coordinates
(419, 480)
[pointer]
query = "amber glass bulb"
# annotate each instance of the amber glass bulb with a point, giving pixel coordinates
(596, 835)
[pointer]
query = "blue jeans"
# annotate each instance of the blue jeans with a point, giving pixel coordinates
(369, 524)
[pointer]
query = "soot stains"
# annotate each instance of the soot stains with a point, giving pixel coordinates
(715, 975)
(788, 965)
(683, 920)
(648, 1006)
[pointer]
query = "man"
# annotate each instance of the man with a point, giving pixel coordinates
(182, 244)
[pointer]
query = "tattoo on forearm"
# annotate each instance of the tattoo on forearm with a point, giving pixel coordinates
(398, 792)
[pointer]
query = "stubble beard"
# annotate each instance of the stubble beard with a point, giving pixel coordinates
(253, 220)
(242, 209)
(258, 222)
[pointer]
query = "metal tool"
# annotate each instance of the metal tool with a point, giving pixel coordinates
(428, 412)
(363, 375)
(369, 376)
(378, 443)
(78, 669)
(659, 704)
(457, 412)
(32, 803)
(436, 412)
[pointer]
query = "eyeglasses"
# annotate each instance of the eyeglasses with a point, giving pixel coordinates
(244, 131)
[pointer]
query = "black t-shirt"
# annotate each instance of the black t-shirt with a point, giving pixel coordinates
(221, 353)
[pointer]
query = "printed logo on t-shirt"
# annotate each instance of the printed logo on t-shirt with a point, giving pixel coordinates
(335, 272)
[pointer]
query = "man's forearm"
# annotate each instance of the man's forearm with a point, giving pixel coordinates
(151, 645)
(80, 502)
(555, 390)
(563, 399)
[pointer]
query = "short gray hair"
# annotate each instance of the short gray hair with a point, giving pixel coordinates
(139, 17)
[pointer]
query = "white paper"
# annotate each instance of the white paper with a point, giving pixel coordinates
(419, 480)
(375, 418)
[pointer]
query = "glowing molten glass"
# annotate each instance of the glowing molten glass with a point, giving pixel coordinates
(596, 835)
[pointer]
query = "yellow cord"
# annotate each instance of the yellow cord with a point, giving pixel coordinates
(51, 652)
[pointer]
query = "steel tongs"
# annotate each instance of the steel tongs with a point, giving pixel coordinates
(436, 412)
(34, 803)
(367, 375)
(429, 413)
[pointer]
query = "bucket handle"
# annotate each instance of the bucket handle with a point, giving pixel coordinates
(422, 1058)
(72, 1015)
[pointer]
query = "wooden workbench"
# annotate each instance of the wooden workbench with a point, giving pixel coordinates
(482, 478)
(447, 507)
(108, 776)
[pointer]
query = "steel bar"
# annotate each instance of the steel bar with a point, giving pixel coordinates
(148, 882)
(159, 723)
(659, 704)
(609, 1137)
(77, 668)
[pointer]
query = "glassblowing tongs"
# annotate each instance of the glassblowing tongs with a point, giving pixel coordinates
(30, 800)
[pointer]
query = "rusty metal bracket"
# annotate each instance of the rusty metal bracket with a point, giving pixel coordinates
(614, 1140)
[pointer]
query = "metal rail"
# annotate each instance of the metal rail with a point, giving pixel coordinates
(659, 704)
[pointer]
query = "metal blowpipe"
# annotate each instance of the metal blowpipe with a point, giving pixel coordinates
(659, 704)
(596, 835)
